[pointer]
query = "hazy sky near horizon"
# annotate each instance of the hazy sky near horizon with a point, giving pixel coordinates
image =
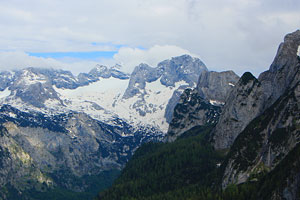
(241, 35)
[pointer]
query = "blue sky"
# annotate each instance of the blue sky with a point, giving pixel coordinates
(92, 55)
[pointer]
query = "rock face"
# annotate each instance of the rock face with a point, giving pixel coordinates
(202, 106)
(147, 97)
(6, 78)
(57, 128)
(33, 87)
(192, 110)
(266, 140)
(270, 85)
(36, 85)
(243, 104)
(54, 151)
(273, 133)
(101, 71)
(183, 69)
(215, 86)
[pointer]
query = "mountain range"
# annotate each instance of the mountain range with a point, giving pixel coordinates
(177, 131)
(244, 147)
(61, 132)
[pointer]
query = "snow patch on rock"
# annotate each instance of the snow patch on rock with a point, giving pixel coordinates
(5, 93)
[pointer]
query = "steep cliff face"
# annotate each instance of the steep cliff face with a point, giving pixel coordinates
(243, 104)
(179, 72)
(202, 105)
(215, 86)
(192, 110)
(256, 96)
(257, 136)
(17, 168)
(283, 71)
(266, 140)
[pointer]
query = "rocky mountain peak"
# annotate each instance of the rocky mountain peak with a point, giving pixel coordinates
(6, 78)
(287, 52)
(32, 87)
(252, 96)
(179, 68)
(284, 71)
(202, 105)
(243, 104)
(101, 71)
(246, 78)
(179, 72)
(117, 67)
(215, 86)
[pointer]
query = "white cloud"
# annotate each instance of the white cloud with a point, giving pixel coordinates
(20, 60)
(128, 57)
(131, 57)
(241, 35)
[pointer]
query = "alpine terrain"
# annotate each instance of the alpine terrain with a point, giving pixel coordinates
(67, 137)
(237, 141)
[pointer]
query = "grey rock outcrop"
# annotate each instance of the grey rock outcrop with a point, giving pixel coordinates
(215, 86)
(281, 76)
(266, 140)
(35, 85)
(101, 71)
(181, 68)
(274, 130)
(169, 72)
(185, 68)
(282, 72)
(32, 87)
(6, 79)
(243, 104)
(192, 110)
(202, 106)
(142, 74)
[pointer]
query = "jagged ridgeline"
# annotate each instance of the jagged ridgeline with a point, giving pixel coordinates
(244, 148)
(67, 137)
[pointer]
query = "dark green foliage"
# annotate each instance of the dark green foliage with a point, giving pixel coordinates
(196, 131)
(252, 139)
(176, 170)
(286, 171)
(95, 184)
(279, 136)
(4, 155)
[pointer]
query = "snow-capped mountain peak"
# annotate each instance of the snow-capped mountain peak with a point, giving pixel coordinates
(147, 97)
